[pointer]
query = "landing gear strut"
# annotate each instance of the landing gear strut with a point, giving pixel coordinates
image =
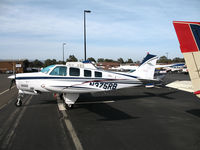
(18, 103)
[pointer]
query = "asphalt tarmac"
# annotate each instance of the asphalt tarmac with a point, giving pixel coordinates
(128, 119)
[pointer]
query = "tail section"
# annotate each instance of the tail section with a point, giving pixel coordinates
(188, 34)
(146, 69)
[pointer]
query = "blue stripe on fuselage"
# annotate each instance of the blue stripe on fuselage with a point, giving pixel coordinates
(125, 75)
(49, 77)
(31, 78)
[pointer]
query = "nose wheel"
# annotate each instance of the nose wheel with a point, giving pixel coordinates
(18, 103)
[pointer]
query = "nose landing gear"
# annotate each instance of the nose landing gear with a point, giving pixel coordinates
(18, 103)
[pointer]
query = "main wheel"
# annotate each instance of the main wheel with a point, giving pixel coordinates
(18, 103)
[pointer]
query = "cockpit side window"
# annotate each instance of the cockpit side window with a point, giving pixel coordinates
(98, 74)
(87, 73)
(74, 71)
(59, 71)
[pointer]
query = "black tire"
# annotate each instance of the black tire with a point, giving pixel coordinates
(69, 106)
(18, 103)
(61, 96)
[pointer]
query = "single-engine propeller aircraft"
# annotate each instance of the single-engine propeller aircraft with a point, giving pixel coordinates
(72, 79)
(188, 34)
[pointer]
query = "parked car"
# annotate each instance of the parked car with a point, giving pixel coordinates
(185, 70)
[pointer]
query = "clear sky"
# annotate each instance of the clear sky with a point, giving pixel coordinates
(115, 28)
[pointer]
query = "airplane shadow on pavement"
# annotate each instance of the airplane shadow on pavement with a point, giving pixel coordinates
(195, 112)
(106, 111)
(89, 97)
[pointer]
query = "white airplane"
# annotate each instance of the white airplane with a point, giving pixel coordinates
(169, 67)
(188, 34)
(70, 80)
(125, 68)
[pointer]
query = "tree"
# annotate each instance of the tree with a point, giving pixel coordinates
(100, 60)
(72, 58)
(54, 61)
(37, 63)
(108, 60)
(163, 59)
(120, 60)
(129, 60)
(178, 60)
(91, 59)
(26, 64)
(137, 62)
(49, 62)
(59, 62)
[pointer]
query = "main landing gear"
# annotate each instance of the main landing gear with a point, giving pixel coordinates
(69, 106)
(70, 99)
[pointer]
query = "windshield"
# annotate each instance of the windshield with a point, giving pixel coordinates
(131, 71)
(46, 69)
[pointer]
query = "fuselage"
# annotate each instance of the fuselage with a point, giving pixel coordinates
(65, 79)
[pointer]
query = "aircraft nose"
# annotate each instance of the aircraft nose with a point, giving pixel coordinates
(12, 77)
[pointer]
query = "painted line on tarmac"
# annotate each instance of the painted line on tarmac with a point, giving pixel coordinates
(69, 126)
(8, 137)
(61, 106)
(1, 107)
(75, 139)
(72, 131)
(8, 122)
(6, 90)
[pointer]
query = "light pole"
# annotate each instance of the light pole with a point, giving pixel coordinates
(167, 57)
(63, 51)
(85, 11)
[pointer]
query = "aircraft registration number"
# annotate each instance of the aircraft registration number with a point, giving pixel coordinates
(104, 85)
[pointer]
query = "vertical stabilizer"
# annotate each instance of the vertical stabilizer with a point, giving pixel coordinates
(188, 34)
(146, 69)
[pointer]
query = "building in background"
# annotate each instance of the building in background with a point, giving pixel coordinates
(11, 66)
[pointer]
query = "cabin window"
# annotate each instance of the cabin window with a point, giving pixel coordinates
(87, 73)
(74, 71)
(59, 71)
(98, 74)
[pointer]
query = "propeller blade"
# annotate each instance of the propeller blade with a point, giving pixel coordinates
(11, 84)
(12, 77)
